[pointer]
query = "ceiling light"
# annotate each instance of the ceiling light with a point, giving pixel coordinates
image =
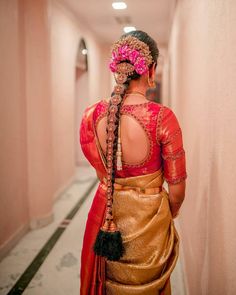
(129, 29)
(119, 5)
(84, 51)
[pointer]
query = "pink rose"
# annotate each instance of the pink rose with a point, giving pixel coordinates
(123, 52)
(114, 55)
(140, 66)
(134, 54)
(112, 66)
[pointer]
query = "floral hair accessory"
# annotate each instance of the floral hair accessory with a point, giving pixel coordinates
(130, 50)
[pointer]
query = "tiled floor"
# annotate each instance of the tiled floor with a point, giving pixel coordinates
(59, 274)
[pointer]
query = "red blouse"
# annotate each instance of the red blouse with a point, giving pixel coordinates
(165, 139)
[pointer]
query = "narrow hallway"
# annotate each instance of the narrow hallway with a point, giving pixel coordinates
(54, 64)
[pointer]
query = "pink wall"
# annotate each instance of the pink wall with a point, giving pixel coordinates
(13, 157)
(39, 43)
(26, 164)
(66, 33)
(201, 89)
(39, 112)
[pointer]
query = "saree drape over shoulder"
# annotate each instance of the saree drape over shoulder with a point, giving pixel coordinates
(140, 207)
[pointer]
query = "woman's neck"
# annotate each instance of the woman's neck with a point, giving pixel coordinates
(138, 86)
(135, 94)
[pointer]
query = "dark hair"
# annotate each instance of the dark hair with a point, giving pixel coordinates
(144, 37)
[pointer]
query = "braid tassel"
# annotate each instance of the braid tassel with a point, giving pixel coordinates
(109, 245)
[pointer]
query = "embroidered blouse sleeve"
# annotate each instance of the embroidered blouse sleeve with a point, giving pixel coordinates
(172, 151)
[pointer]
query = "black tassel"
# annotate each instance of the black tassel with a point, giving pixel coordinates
(109, 245)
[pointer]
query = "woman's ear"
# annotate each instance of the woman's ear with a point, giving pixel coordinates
(152, 71)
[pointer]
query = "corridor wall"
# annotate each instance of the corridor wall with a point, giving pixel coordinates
(14, 213)
(200, 87)
(66, 33)
(26, 138)
(39, 42)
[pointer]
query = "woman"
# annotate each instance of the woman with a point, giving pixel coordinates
(130, 243)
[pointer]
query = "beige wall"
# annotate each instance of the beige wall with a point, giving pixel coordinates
(26, 149)
(39, 43)
(13, 179)
(38, 111)
(66, 33)
(201, 89)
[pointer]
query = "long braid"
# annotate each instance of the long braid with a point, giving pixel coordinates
(109, 240)
(131, 58)
(115, 142)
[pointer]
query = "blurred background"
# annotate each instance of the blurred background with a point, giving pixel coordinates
(54, 63)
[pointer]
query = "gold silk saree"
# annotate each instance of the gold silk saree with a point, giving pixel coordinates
(142, 213)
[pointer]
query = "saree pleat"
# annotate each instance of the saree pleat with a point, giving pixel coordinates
(149, 235)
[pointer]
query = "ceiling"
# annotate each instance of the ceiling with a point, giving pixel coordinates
(152, 16)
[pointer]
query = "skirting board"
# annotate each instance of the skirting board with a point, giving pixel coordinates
(13, 240)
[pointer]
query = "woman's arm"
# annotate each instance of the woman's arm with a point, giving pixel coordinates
(176, 197)
(173, 156)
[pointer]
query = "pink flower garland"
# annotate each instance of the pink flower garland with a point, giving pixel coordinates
(133, 55)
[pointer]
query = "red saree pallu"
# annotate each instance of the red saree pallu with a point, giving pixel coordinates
(93, 266)
(92, 272)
